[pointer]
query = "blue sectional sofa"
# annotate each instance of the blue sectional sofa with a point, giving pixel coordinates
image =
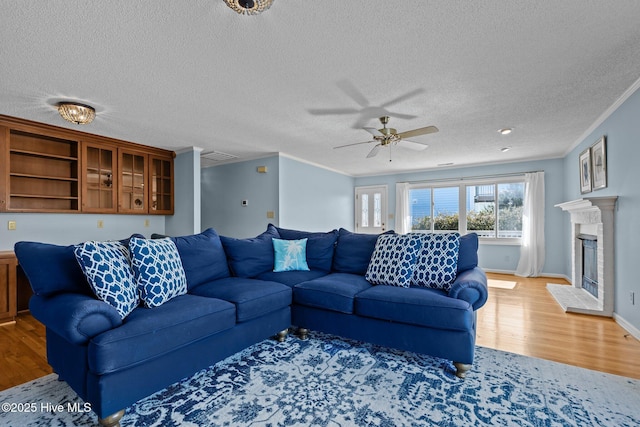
(233, 298)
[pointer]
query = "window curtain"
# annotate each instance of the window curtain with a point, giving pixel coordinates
(403, 215)
(532, 249)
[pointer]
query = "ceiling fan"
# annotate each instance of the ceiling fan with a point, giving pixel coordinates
(389, 136)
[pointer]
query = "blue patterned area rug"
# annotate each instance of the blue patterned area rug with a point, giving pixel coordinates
(328, 381)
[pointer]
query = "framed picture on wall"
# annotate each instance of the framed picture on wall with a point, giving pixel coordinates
(585, 171)
(599, 164)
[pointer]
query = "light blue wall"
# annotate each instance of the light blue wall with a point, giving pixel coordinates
(622, 129)
(186, 190)
(314, 198)
(225, 186)
(66, 229)
(498, 257)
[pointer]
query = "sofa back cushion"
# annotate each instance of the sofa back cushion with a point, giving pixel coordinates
(203, 257)
(353, 251)
(468, 252)
(320, 246)
(51, 269)
(250, 257)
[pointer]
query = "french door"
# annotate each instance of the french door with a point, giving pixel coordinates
(371, 209)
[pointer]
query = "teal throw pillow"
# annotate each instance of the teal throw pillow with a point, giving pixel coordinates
(158, 270)
(290, 255)
(107, 267)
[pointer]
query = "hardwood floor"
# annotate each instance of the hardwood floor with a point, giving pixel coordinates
(527, 320)
(524, 320)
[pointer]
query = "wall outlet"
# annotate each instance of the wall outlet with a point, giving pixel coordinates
(100, 223)
(11, 225)
(146, 222)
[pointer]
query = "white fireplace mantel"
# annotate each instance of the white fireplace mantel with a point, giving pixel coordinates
(594, 216)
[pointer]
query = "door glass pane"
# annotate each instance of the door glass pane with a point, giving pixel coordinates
(481, 205)
(364, 217)
(377, 210)
(446, 208)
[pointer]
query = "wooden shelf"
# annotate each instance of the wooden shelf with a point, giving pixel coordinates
(47, 177)
(43, 155)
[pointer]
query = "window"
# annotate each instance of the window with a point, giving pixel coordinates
(434, 209)
(493, 210)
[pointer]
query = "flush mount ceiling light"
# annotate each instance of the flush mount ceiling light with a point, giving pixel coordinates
(505, 131)
(249, 7)
(79, 114)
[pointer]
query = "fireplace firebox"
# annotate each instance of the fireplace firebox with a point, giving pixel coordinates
(589, 263)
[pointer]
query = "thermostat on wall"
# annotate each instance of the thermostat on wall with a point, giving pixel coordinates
(245, 203)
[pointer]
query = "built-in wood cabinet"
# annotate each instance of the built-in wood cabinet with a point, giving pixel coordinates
(52, 169)
(8, 297)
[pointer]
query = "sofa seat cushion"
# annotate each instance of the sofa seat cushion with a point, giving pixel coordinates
(252, 298)
(416, 306)
(335, 292)
(150, 332)
(291, 278)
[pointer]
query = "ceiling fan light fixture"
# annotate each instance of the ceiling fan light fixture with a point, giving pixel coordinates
(74, 112)
(249, 7)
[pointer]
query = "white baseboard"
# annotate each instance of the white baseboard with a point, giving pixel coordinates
(551, 275)
(635, 332)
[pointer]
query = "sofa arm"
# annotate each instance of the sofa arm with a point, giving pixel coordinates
(471, 286)
(75, 317)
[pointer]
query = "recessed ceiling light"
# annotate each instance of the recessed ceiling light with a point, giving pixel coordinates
(505, 131)
(505, 149)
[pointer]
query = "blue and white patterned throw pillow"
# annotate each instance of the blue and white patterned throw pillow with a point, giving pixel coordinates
(393, 260)
(158, 270)
(290, 255)
(107, 267)
(437, 263)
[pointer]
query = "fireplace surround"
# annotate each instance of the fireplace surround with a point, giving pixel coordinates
(591, 219)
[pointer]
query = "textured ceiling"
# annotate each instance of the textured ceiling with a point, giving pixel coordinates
(176, 74)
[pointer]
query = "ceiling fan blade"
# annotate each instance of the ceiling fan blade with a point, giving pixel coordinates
(373, 131)
(355, 143)
(404, 97)
(374, 151)
(329, 111)
(353, 92)
(418, 132)
(413, 145)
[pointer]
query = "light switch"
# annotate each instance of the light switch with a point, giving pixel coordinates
(100, 223)
(11, 225)
(271, 214)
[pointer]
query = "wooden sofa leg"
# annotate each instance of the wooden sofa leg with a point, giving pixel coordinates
(462, 369)
(282, 335)
(303, 333)
(112, 420)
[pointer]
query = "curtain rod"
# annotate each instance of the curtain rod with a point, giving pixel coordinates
(472, 178)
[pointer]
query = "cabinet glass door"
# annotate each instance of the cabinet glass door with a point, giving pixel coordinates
(132, 182)
(99, 183)
(161, 185)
